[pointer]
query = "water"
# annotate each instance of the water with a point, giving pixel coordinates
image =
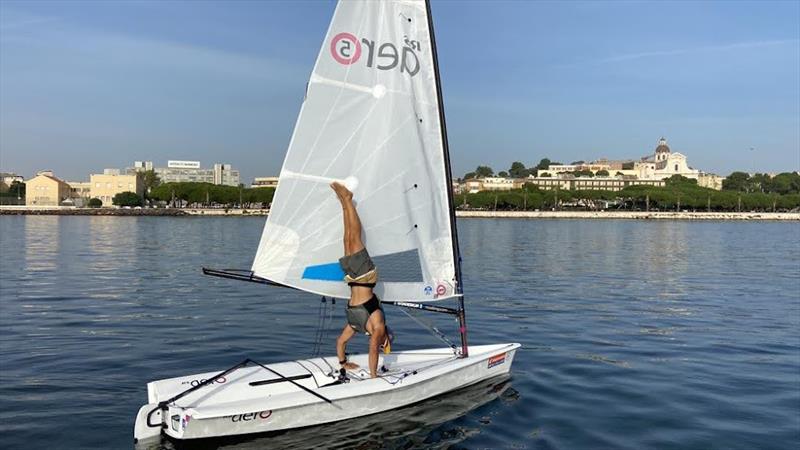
(635, 334)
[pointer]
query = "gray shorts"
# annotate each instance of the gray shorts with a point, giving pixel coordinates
(359, 268)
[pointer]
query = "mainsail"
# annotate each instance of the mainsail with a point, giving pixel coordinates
(371, 120)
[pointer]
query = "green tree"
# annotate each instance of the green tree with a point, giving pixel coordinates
(679, 180)
(17, 189)
(127, 199)
(95, 203)
(737, 181)
(583, 173)
(469, 175)
(150, 180)
(484, 171)
(602, 173)
(503, 174)
(518, 170)
(544, 163)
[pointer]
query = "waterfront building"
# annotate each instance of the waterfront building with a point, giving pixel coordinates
(473, 185)
(190, 171)
(142, 166)
(710, 180)
(500, 184)
(79, 192)
(660, 165)
(45, 189)
(260, 182)
(554, 170)
(590, 183)
(106, 186)
(664, 163)
(225, 175)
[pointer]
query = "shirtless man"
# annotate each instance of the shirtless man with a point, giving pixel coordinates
(364, 312)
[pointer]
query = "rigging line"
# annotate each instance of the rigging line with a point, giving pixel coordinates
(309, 372)
(431, 328)
(330, 324)
(315, 394)
(333, 107)
(329, 374)
(318, 336)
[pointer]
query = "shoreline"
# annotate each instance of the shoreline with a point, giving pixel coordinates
(202, 212)
(630, 215)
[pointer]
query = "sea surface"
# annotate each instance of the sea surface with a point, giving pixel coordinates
(635, 334)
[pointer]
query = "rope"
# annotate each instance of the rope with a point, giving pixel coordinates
(427, 324)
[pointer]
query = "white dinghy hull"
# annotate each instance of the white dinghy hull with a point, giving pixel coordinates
(254, 400)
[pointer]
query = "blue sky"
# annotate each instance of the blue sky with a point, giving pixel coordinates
(88, 85)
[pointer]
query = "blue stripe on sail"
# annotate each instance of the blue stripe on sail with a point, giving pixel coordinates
(400, 267)
(327, 272)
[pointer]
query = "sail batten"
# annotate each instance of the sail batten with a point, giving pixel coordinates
(371, 120)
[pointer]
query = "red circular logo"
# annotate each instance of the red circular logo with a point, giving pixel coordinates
(345, 48)
(441, 289)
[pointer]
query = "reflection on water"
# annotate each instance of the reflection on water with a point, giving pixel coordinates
(42, 240)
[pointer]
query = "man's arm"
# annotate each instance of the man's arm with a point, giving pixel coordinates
(341, 344)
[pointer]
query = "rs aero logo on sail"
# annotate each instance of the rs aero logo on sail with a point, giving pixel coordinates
(347, 49)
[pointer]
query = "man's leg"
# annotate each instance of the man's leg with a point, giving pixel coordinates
(341, 344)
(352, 223)
(377, 335)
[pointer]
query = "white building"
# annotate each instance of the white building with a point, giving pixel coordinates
(260, 182)
(663, 164)
(190, 171)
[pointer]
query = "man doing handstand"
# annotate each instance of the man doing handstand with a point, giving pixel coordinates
(364, 312)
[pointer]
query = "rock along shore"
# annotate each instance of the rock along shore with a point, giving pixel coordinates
(631, 215)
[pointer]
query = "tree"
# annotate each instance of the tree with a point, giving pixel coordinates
(17, 189)
(469, 175)
(503, 174)
(574, 163)
(737, 181)
(584, 173)
(150, 180)
(679, 180)
(517, 170)
(602, 173)
(543, 164)
(484, 171)
(95, 203)
(127, 199)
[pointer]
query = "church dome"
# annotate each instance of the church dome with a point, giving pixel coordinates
(662, 146)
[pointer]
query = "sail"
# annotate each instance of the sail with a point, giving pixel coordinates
(371, 120)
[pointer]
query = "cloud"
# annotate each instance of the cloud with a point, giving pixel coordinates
(683, 51)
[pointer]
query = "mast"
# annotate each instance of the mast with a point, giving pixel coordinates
(462, 319)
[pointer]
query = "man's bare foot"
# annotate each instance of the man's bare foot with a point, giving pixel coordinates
(350, 365)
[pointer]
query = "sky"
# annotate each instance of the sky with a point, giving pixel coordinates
(86, 85)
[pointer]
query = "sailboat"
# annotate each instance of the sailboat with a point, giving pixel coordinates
(373, 120)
